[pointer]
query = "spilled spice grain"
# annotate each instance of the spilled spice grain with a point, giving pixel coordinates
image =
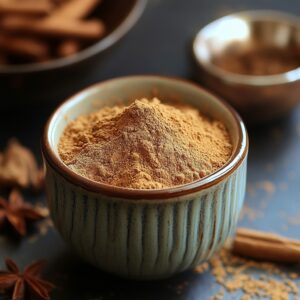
(262, 61)
(219, 295)
(202, 268)
(250, 213)
(233, 274)
(146, 145)
(267, 186)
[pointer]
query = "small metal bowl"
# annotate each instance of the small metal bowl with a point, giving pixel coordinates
(259, 98)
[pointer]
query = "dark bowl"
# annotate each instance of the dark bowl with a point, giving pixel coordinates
(39, 83)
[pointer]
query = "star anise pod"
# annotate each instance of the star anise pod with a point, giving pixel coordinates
(27, 282)
(17, 212)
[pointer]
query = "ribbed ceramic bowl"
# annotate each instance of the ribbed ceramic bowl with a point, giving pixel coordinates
(145, 234)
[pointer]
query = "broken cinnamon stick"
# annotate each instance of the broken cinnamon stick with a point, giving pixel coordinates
(266, 246)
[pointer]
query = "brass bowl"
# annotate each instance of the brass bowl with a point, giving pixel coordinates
(259, 98)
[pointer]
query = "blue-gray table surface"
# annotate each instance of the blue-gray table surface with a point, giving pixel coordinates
(161, 43)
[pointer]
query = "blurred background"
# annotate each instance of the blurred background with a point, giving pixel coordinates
(160, 42)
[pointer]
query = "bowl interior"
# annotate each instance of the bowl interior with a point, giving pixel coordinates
(248, 31)
(128, 89)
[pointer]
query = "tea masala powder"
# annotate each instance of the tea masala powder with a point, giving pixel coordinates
(146, 145)
(233, 274)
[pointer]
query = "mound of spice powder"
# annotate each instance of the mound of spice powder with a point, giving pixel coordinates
(146, 145)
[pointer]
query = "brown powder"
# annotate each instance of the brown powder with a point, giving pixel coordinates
(202, 268)
(267, 186)
(250, 213)
(264, 61)
(234, 274)
(147, 145)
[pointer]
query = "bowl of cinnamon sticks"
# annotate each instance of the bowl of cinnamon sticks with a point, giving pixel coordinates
(44, 43)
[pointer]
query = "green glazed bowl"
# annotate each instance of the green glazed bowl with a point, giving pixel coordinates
(145, 234)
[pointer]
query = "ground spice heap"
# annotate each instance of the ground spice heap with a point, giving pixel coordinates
(233, 273)
(146, 145)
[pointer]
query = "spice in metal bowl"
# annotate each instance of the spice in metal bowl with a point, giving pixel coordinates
(262, 61)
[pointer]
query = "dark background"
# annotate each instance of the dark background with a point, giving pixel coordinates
(161, 44)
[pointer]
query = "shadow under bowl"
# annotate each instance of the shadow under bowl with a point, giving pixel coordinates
(259, 98)
(145, 234)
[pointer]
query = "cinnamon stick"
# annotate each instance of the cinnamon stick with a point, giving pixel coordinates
(68, 47)
(56, 27)
(266, 246)
(64, 27)
(26, 47)
(25, 7)
(75, 9)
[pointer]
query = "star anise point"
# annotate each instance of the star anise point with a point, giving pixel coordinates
(28, 280)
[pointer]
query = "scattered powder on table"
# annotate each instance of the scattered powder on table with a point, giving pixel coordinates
(202, 268)
(267, 186)
(250, 213)
(146, 145)
(233, 273)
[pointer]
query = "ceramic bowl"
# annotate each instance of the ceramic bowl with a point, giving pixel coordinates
(145, 234)
(258, 98)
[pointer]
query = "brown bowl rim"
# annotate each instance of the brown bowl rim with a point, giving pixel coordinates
(104, 43)
(251, 80)
(196, 186)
